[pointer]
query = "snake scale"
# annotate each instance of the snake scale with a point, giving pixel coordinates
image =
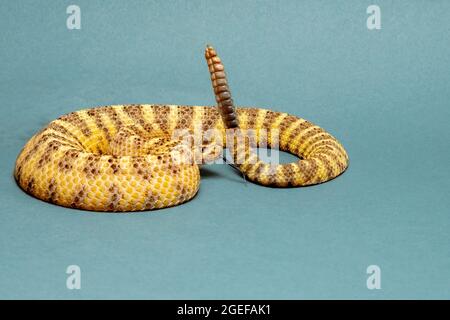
(121, 157)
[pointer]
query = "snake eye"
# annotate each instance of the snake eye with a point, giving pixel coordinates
(220, 87)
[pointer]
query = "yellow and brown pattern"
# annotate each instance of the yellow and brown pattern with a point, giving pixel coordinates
(119, 158)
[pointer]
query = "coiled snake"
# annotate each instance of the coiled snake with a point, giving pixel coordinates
(143, 157)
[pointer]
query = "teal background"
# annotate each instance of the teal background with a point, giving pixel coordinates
(385, 94)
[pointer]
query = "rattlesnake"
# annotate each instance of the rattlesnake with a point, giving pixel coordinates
(121, 157)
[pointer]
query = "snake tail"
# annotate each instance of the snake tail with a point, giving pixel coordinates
(321, 156)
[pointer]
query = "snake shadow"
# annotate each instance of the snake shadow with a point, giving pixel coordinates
(209, 173)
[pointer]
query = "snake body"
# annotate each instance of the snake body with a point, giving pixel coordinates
(121, 157)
